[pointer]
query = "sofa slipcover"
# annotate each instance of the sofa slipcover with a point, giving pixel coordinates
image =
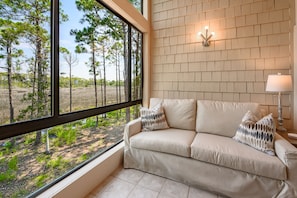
(209, 158)
(222, 118)
(212, 148)
(180, 113)
(173, 141)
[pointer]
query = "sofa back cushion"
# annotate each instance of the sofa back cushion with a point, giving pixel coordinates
(222, 118)
(180, 113)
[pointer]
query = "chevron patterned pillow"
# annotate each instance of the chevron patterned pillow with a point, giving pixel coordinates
(258, 134)
(153, 119)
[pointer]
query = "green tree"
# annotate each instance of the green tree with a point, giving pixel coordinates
(36, 13)
(114, 54)
(104, 28)
(90, 38)
(119, 31)
(10, 34)
(71, 59)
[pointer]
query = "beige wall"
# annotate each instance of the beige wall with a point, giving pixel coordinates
(253, 38)
(295, 69)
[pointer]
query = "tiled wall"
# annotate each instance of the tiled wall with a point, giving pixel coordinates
(253, 38)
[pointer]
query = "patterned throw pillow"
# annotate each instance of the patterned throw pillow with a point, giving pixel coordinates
(258, 134)
(153, 119)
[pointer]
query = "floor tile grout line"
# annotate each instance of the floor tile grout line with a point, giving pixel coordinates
(135, 185)
(149, 174)
(145, 181)
(131, 191)
(142, 186)
(127, 181)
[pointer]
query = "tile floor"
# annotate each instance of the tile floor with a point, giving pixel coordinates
(130, 183)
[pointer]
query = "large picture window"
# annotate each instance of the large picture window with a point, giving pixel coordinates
(25, 61)
(70, 77)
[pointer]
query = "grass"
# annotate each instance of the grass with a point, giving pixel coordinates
(39, 169)
(13, 163)
(82, 98)
(8, 148)
(7, 176)
(70, 144)
(11, 169)
(83, 157)
(20, 193)
(29, 139)
(58, 163)
(65, 135)
(89, 123)
(40, 180)
(43, 158)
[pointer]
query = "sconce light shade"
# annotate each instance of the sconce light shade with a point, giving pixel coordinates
(279, 83)
(206, 38)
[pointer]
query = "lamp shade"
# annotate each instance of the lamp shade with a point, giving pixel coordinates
(279, 83)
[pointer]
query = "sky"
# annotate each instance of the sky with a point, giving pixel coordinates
(66, 40)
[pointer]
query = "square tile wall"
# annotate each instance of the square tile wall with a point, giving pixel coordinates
(253, 38)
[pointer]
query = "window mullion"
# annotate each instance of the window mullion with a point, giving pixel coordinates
(129, 63)
(55, 59)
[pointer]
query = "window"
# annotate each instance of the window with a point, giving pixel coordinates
(138, 4)
(25, 61)
(64, 82)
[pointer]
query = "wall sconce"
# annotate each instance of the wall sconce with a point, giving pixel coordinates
(206, 38)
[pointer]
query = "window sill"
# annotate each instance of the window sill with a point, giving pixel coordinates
(83, 181)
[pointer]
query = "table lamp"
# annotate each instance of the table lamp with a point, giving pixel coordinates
(279, 83)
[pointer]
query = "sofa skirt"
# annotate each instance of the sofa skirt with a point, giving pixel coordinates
(221, 180)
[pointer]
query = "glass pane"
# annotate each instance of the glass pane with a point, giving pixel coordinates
(92, 57)
(26, 167)
(137, 4)
(24, 61)
(136, 62)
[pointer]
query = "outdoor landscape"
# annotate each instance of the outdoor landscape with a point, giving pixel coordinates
(25, 166)
(99, 59)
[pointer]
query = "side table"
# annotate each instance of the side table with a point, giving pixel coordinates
(284, 134)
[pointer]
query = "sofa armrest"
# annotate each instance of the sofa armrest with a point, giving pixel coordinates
(284, 150)
(132, 128)
(287, 153)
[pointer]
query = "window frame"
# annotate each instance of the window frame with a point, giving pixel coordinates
(20, 128)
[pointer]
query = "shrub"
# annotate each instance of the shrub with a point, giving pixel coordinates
(83, 157)
(42, 157)
(89, 123)
(64, 135)
(13, 164)
(40, 180)
(20, 193)
(10, 173)
(29, 139)
(58, 163)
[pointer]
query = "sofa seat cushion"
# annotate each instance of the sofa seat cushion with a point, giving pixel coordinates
(173, 141)
(225, 151)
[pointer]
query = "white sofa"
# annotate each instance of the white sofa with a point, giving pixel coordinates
(198, 150)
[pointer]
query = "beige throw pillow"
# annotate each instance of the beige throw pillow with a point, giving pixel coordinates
(256, 133)
(153, 119)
